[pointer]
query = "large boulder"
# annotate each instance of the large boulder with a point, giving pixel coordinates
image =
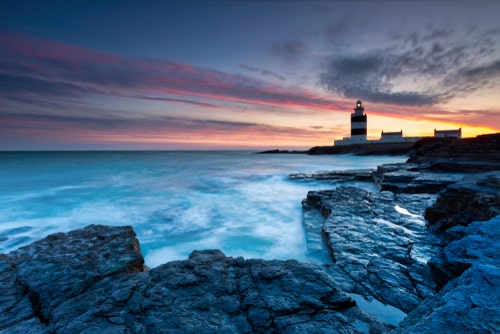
(475, 198)
(48, 272)
(212, 293)
(468, 304)
(478, 246)
(17, 313)
(468, 270)
(474, 153)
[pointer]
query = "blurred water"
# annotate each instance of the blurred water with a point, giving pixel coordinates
(239, 202)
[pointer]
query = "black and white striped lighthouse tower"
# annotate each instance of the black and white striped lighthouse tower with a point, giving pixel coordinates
(358, 123)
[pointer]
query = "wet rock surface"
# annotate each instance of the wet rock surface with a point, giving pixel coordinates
(378, 243)
(410, 245)
(362, 175)
(414, 178)
(476, 244)
(92, 281)
(469, 272)
(37, 278)
(474, 198)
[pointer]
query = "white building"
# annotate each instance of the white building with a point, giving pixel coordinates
(448, 133)
(388, 137)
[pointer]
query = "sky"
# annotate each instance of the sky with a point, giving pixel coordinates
(167, 75)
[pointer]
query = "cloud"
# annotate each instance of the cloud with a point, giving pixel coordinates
(42, 66)
(263, 72)
(30, 130)
(19, 84)
(481, 73)
(418, 69)
(368, 76)
(168, 99)
(108, 123)
(289, 50)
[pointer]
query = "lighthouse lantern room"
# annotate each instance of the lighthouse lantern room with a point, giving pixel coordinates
(358, 123)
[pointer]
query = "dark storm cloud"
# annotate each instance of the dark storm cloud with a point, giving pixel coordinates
(441, 62)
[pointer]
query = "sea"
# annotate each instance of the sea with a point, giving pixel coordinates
(177, 201)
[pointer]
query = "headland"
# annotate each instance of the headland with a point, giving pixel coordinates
(356, 149)
(390, 143)
(426, 245)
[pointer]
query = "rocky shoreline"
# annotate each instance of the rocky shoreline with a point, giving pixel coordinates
(356, 149)
(426, 244)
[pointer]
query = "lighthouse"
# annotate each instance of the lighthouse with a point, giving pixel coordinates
(358, 132)
(358, 123)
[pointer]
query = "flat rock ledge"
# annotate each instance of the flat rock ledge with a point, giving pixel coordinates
(378, 244)
(93, 280)
(426, 243)
(382, 249)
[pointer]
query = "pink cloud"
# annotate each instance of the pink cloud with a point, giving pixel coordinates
(32, 130)
(35, 47)
(112, 74)
(35, 67)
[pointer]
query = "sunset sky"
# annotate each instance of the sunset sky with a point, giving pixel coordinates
(244, 74)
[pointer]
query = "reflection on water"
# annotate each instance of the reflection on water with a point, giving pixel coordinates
(383, 312)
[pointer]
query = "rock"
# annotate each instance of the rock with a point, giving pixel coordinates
(473, 152)
(467, 304)
(451, 166)
(364, 149)
(277, 151)
(16, 311)
(48, 272)
(361, 175)
(92, 281)
(379, 243)
(468, 273)
(413, 178)
(475, 198)
(478, 246)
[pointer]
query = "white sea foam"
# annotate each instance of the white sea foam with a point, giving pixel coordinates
(406, 212)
